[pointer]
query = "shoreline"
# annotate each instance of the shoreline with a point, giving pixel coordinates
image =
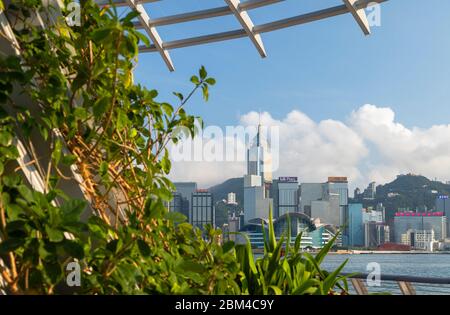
(374, 252)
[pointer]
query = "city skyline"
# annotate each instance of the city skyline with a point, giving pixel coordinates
(322, 75)
(370, 146)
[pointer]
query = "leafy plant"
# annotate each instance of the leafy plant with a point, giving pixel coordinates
(109, 136)
(285, 269)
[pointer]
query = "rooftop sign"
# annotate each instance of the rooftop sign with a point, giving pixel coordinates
(337, 179)
(288, 179)
(422, 214)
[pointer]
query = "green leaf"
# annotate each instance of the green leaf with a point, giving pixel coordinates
(133, 14)
(226, 247)
(101, 106)
(202, 72)
(324, 251)
(69, 159)
(276, 290)
(103, 171)
(210, 81)
(72, 209)
(144, 249)
(179, 95)
(74, 249)
(53, 271)
(188, 265)
(57, 151)
(17, 229)
(175, 216)
(195, 80)
(5, 138)
(205, 92)
(143, 38)
(101, 35)
(332, 277)
(11, 244)
(26, 193)
(122, 120)
(54, 234)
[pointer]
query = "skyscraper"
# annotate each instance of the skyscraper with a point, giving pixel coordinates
(308, 193)
(259, 159)
(442, 204)
(285, 195)
(202, 208)
(259, 174)
(370, 192)
(185, 191)
(356, 229)
(339, 185)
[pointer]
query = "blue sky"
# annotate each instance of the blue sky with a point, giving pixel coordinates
(327, 71)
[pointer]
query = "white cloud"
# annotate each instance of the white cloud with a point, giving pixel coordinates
(400, 149)
(369, 146)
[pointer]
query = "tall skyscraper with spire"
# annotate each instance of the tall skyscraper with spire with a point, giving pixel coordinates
(258, 179)
(259, 158)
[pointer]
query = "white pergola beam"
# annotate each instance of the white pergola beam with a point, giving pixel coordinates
(207, 13)
(263, 28)
(247, 23)
(359, 15)
(152, 33)
(239, 9)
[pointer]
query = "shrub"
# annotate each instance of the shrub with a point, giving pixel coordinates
(110, 136)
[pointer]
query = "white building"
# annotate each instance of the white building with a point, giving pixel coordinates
(259, 176)
(231, 199)
(420, 239)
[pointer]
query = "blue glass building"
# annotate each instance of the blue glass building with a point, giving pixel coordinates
(355, 229)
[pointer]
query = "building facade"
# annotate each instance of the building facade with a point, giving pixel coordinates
(285, 195)
(356, 225)
(258, 179)
(309, 192)
(339, 185)
(375, 234)
(231, 198)
(327, 210)
(419, 239)
(202, 208)
(426, 221)
(442, 204)
(183, 192)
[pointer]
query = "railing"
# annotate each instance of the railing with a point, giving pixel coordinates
(399, 285)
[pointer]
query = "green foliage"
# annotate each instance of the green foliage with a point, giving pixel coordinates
(114, 134)
(414, 192)
(284, 269)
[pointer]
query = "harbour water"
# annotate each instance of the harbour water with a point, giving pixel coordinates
(420, 265)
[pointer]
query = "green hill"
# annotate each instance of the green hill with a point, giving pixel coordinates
(407, 191)
(221, 191)
(235, 185)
